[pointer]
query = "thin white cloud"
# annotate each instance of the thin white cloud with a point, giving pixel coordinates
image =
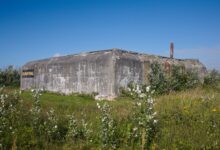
(57, 55)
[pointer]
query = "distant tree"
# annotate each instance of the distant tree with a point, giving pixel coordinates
(9, 77)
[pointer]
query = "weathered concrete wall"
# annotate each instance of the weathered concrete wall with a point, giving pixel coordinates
(128, 68)
(85, 73)
(103, 72)
(134, 67)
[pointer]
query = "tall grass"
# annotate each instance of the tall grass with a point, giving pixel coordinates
(188, 119)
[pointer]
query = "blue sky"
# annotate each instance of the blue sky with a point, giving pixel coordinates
(36, 29)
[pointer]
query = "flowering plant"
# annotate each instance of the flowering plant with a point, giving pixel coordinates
(108, 127)
(144, 117)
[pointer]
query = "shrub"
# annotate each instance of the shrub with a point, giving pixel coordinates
(157, 79)
(143, 120)
(178, 80)
(181, 80)
(212, 79)
(78, 130)
(108, 128)
(12, 119)
(9, 77)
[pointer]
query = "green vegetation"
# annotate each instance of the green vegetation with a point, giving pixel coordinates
(9, 77)
(175, 80)
(212, 79)
(187, 119)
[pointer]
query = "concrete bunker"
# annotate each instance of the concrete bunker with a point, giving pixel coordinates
(102, 72)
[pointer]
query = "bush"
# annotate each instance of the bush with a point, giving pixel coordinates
(24, 128)
(108, 134)
(212, 79)
(181, 80)
(9, 77)
(143, 120)
(157, 79)
(178, 79)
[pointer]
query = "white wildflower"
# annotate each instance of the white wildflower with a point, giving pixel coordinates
(142, 95)
(150, 100)
(147, 88)
(138, 88)
(98, 105)
(152, 92)
(140, 123)
(135, 128)
(155, 113)
(150, 117)
(139, 104)
(51, 111)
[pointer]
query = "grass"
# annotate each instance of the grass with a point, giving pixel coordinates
(79, 104)
(188, 119)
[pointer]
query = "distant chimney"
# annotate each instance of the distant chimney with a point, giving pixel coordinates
(171, 49)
